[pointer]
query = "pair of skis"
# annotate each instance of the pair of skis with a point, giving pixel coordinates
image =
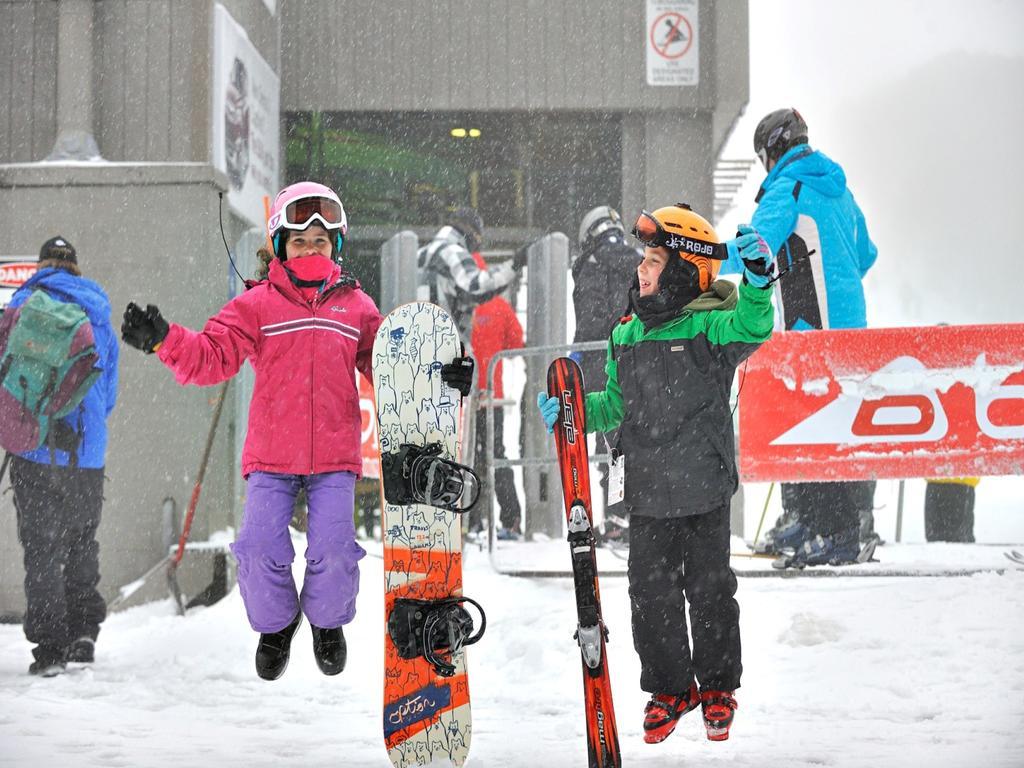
(565, 381)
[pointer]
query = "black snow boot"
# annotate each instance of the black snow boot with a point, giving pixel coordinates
(49, 662)
(329, 649)
(272, 652)
(82, 651)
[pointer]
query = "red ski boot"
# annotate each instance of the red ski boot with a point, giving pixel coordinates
(719, 707)
(663, 712)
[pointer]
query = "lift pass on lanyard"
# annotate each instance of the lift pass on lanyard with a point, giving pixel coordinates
(617, 480)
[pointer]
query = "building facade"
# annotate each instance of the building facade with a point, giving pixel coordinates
(121, 117)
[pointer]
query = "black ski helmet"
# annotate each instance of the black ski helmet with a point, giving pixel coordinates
(471, 225)
(777, 132)
(596, 224)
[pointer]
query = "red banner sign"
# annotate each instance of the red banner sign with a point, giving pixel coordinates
(368, 437)
(884, 403)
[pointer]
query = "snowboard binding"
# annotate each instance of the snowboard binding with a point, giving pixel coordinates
(434, 629)
(417, 474)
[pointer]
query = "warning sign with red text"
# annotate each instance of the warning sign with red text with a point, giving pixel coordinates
(673, 54)
(14, 272)
(884, 403)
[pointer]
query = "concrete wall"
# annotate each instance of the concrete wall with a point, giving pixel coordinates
(117, 218)
(145, 229)
(482, 54)
(151, 75)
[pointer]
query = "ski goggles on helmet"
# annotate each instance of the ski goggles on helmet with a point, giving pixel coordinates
(299, 213)
(649, 231)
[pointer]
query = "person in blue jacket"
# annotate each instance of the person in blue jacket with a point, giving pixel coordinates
(813, 225)
(58, 496)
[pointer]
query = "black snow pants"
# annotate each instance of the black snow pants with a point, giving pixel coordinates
(58, 511)
(949, 512)
(826, 508)
(672, 561)
(504, 481)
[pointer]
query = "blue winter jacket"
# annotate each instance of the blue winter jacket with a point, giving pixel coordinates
(812, 223)
(91, 420)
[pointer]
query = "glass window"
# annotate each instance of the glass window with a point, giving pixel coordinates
(409, 169)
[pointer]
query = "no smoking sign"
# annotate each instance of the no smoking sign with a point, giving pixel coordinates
(672, 42)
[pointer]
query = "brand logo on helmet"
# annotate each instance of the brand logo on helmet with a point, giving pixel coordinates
(272, 224)
(782, 132)
(696, 247)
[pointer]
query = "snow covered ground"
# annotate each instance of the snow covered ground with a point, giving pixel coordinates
(838, 672)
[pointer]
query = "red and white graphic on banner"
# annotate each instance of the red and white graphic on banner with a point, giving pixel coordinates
(884, 403)
(368, 436)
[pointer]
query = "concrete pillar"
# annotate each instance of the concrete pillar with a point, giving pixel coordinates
(75, 95)
(547, 287)
(398, 270)
(680, 162)
(665, 160)
(634, 167)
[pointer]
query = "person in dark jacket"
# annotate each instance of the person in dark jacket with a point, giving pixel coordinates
(670, 367)
(601, 273)
(58, 494)
(811, 222)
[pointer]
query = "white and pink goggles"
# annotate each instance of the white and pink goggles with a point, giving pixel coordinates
(305, 208)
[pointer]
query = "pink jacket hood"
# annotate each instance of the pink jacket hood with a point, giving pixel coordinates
(304, 415)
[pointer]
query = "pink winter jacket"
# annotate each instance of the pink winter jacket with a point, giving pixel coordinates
(304, 416)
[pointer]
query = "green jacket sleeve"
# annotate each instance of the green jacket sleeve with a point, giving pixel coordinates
(736, 333)
(603, 410)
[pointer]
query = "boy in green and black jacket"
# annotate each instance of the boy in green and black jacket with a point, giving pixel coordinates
(670, 370)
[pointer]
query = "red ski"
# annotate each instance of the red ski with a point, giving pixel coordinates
(565, 381)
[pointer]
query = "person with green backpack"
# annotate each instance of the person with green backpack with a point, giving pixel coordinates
(58, 386)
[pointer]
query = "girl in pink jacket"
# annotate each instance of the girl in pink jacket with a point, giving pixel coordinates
(305, 330)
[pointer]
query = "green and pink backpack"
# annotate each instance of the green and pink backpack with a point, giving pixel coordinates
(47, 365)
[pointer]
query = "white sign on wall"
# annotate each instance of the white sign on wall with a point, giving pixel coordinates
(246, 118)
(673, 53)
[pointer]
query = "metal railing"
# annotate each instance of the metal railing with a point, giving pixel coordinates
(488, 404)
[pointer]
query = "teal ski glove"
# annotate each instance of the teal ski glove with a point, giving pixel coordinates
(549, 408)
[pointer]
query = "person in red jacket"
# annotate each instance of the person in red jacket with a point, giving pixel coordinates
(495, 327)
(305, 330)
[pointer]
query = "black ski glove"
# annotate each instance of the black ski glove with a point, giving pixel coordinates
(143, 328)
(520, 258)
(458, 374)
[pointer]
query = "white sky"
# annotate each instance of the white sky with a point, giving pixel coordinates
(814, 53)
(911, 99)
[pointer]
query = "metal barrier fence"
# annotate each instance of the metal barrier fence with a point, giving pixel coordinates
(488, 404)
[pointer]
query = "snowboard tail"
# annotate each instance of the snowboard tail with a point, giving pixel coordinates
(565, 381)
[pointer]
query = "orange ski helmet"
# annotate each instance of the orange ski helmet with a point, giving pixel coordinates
(689, 234)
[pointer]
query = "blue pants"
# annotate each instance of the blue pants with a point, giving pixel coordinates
(264, 551)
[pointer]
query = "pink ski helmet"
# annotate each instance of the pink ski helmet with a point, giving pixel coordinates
(301, 204)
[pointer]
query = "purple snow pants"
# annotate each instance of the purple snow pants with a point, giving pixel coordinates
(264, 551)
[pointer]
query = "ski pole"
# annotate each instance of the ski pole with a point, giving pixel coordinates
(172, 565)
(760, 522)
